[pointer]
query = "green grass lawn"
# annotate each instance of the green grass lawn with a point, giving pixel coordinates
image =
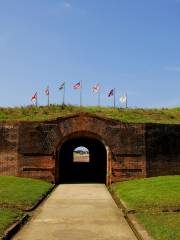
(21, 192)
(8, 216)
(150, 197)
(150, 194)
(17, 195)
(162, 226)
(41, 113)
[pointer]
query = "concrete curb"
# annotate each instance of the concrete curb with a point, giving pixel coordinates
(40, 200)
(136, 227)
(13, 229)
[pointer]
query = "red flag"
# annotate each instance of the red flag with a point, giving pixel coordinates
(47, 91)
(111, 93)
(34, 97)
(77, 86)
(96, 88)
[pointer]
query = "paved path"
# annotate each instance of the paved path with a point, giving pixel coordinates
(77, 212)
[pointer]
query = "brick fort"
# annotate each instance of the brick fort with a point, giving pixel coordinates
(117, 151)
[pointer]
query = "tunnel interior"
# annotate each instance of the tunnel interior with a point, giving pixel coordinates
(91, 171)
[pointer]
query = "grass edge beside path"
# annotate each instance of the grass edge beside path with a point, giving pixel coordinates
(162, 226)
(22, 193)
(18, 195)
(159, 224)
(150, 194)
(9, 216)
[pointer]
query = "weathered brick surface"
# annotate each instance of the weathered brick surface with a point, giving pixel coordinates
(9, 135)
(30, 149)
(163, 149)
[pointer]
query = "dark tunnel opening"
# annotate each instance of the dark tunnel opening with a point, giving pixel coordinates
(91, 171)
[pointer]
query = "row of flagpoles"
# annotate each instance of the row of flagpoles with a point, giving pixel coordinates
(78, 86)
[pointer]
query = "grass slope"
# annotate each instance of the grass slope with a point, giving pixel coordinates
(150, 194)
(17, 195)
(168, 116)
(162, 226)
(150, 198)
(8, 216)
(21, 192)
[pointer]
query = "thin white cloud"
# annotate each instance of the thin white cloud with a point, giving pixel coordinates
(60, 8)
(67, 5)
(173, 69)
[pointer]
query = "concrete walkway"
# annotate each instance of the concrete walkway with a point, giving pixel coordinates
(77, 212)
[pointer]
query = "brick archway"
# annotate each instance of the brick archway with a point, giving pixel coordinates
(130, 150)
(96, 170)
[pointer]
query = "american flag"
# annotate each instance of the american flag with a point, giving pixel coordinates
(111, 93)
(77, 86)
(96, 88)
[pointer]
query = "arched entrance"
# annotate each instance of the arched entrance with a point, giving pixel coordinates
(79, 168)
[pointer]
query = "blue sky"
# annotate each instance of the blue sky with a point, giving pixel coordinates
(132, 45)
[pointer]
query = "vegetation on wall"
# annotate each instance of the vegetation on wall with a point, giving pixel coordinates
(42, 113)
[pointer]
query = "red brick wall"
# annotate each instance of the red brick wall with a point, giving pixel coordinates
(9, 135)
(163, 149)
(30, 149)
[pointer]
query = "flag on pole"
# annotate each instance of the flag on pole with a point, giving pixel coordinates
(61, 87)
(77, 86)
(47, 94)
(96, 88)
(47, 91)
(34, 97)
(123, 99)
(111, 93)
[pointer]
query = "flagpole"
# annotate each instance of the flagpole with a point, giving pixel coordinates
(48, 95)
(99, 98)
(63, 95)
(81, 94)
(114, 98)
(36, 99)
(126, 101)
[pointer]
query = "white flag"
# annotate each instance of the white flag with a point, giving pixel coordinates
(123, 99)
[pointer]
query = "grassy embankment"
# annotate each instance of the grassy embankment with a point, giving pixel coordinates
(18, 195)
(31, 113)
(155, 201)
